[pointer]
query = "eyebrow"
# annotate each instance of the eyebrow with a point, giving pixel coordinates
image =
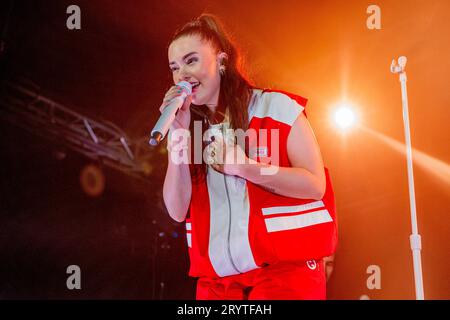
(184, 57)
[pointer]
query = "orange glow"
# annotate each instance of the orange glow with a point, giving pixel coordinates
(438, 168)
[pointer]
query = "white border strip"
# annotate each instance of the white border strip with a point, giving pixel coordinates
(278, 106)
(298, 221)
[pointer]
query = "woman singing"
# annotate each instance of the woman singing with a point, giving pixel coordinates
(257, 228)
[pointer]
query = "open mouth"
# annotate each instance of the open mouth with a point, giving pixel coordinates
(195, 86)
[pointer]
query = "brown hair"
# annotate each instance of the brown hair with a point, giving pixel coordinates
(235, 88)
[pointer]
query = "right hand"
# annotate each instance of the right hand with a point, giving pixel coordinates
(183, 116)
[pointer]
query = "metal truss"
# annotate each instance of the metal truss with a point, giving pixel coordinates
(25, 107)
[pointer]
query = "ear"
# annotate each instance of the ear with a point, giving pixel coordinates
(221, 57)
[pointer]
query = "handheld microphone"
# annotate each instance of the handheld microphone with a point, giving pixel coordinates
(168, 115)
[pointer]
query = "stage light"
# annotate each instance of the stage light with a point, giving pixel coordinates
(92, 180)
(344, 116)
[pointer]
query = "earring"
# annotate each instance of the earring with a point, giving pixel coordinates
(222, 70)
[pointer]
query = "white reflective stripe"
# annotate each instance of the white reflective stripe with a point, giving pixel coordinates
(240, 212)
(277, 106)
(220, 248)
(298, 221)
(291, 209)
(188, 226)
(189, 239)
(219, 224)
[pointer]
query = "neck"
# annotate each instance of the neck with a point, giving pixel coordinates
(214, 105)
(212, 108)
(216, 113)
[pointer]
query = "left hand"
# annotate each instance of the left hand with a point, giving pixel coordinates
(227, 158)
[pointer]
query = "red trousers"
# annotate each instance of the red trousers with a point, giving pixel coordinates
(281, 281)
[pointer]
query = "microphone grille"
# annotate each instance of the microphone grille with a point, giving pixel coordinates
(185, 86)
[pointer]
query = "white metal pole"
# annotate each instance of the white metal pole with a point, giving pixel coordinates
(414, 238)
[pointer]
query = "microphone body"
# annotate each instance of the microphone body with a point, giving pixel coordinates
(168, 115)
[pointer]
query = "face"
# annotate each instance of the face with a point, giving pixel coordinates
(196, 61)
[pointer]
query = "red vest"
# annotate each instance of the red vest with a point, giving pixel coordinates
(235, 226)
